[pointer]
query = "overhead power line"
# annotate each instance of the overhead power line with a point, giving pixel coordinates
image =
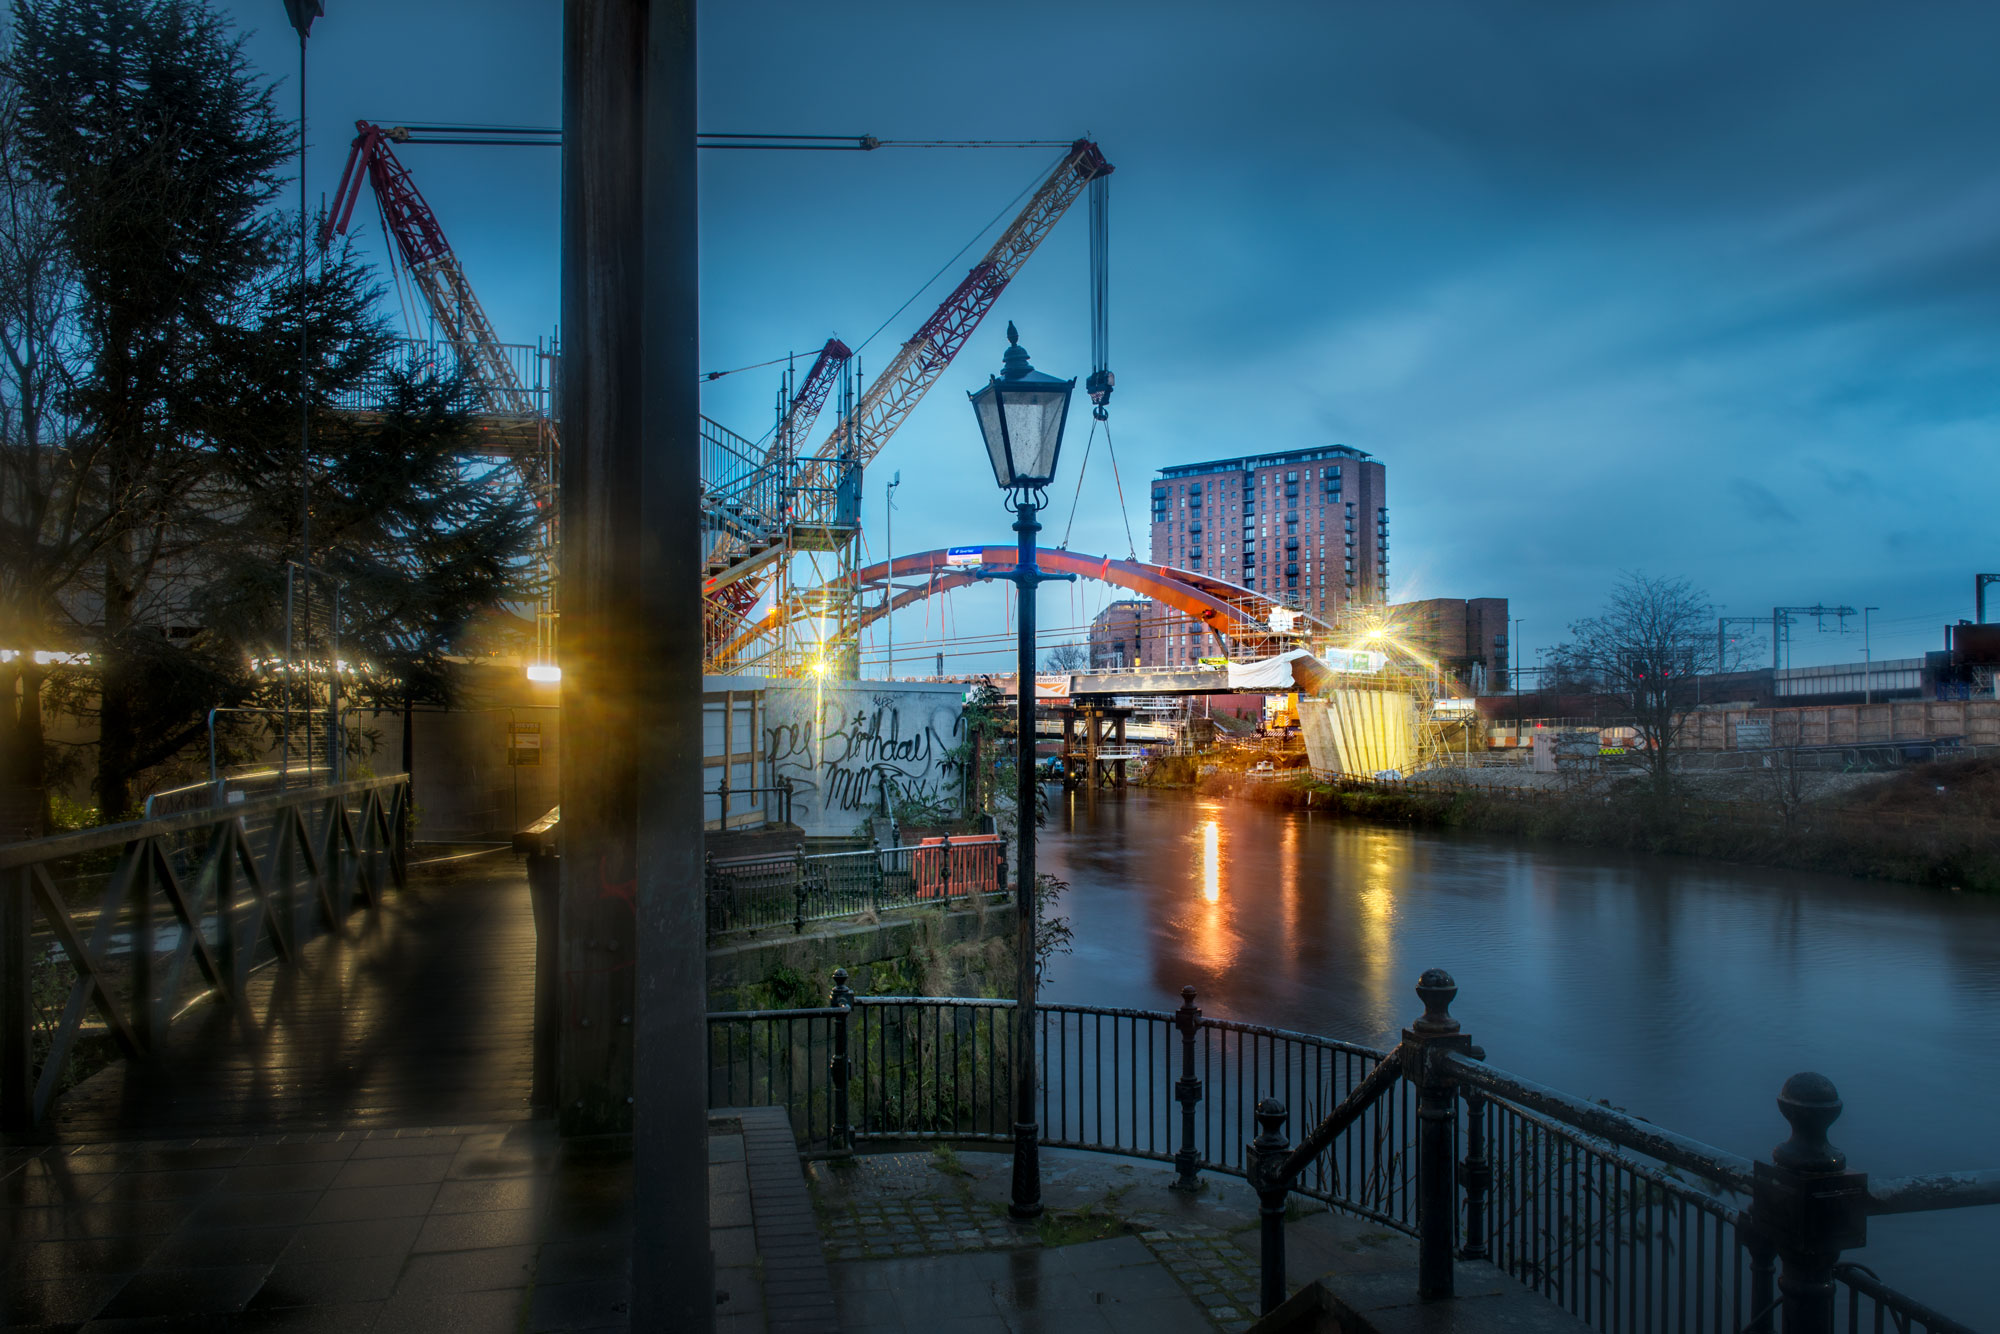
(546, 136)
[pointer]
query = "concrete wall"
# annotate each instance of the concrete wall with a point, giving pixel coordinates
(925, 952)
(848, 745)
(466, 787)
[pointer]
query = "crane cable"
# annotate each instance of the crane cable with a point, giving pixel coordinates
(1077, 499)
(1131, 547)
(1009, 207)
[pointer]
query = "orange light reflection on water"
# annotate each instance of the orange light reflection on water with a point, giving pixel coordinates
(1213, 938)
(1211, 862)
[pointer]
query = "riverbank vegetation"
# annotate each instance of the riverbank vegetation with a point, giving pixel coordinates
(1931, 824)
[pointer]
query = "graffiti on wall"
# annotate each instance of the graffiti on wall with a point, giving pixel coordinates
(850, 750)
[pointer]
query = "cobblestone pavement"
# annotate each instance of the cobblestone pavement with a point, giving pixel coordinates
(892, 1206)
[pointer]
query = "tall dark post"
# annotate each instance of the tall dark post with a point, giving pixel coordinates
(1021, 413)
(1027, 1201)
(1187, 1090)
(1425, 1045)
(840, 1067)
(1267, 1155)
(630, 933)
(1478, 1172)
(1026, 576)
(17, 1005)
(1808, 1206)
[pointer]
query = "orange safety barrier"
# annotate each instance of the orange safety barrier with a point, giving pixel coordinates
(972, 863)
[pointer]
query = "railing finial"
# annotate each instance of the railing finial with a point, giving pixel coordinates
(1811, 1104)
(1436, 990)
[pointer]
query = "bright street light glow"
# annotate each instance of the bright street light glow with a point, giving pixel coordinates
(544, 671)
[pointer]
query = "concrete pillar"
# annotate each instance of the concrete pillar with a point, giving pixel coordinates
(630, 937)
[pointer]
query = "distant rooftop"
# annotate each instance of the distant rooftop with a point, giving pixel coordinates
(1247, 462)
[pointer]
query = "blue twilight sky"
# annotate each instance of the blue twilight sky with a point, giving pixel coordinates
(1704, 289)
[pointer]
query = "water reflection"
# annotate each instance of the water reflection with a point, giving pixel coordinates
(1685, 991)
(1211, 861)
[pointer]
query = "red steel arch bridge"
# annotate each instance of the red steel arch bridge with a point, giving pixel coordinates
(1240, 618)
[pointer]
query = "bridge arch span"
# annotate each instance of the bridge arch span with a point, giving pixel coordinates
(1241, 614)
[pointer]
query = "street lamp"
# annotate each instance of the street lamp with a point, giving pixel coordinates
(1021, 415)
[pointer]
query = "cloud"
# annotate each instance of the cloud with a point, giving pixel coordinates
(1760, 502)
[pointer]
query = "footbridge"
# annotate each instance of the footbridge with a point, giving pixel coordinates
(1243, 621)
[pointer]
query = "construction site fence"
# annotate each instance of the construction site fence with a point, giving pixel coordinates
(1972, 722)
(759, 893)
(1776, 813)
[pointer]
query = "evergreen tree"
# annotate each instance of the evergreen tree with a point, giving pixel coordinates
(159, 150)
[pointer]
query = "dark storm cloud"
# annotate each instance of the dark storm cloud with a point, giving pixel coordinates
(1759, 502)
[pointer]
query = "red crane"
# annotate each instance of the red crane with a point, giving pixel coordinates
(428, 256)
(923, 358)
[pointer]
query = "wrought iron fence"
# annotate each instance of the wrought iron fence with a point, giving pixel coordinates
(110, 919)
(1626, 1225)
(758, 893)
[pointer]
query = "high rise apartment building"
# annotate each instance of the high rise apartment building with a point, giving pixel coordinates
(1308, 528)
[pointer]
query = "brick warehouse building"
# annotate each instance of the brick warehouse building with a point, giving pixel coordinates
(1308, 528)
(1115, 634)
(1460, 635)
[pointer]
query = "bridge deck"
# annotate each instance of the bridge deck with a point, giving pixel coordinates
(422, 1017)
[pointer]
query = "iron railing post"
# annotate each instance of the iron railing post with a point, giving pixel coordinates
(1478, 1177)
(1187, 1090)
(946, 854)
(1425, 1045)
(841, 1069)
(1267, 1152)
(17, 1019)
(1763, 1282)
(799, 895)
(1809, 1206)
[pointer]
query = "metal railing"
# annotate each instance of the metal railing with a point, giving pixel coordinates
(1624, 1224)
(531, 365)
(110, 919)
(756, 893)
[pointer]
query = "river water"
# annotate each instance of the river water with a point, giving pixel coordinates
(1685, 991)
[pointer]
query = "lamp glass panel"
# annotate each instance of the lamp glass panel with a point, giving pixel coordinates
(1034, 429)
(987, 404)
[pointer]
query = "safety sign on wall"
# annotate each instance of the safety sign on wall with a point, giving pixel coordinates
(524, 743)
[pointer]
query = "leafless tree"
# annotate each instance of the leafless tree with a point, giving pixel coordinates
(1070, 657)
(1645, 650)
(53, 520)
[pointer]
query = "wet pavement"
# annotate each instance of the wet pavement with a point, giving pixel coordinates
(421, 1015)
(464, 1228)
(352, 1152)
(921, 1241)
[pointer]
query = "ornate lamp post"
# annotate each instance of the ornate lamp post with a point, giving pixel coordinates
(1021, 415)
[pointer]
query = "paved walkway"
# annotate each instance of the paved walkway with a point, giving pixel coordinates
(423, 1015)
(921, 1242)
(360, 1161)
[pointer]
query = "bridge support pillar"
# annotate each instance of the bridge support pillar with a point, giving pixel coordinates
(630, 935)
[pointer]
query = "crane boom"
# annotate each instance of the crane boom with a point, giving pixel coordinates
(811, 397)
(428, 256)
(920, 361)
